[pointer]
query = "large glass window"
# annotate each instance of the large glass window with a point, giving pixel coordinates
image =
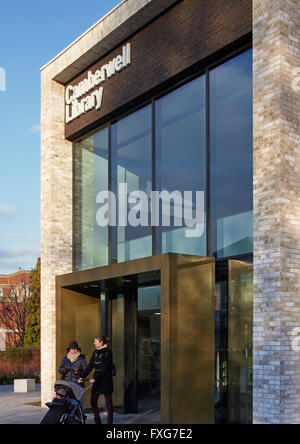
(181, 163)
(178, 122)
(231, 172)
(191, 140)
(90, 178)
(132, 168)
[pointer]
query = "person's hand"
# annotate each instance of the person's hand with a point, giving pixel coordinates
(79, 381)
(92, 381)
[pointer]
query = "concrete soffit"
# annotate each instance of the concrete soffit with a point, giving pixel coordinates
(121, 22)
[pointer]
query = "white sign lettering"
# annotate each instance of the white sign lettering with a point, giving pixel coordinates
(76, 104)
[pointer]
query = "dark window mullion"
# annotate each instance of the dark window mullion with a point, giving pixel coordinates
(154, 230)
(208, 219)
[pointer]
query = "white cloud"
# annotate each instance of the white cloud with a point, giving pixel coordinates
(6, 210)
(35, 128)
(13, 258)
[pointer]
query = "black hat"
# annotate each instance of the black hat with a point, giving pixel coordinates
(73, 345)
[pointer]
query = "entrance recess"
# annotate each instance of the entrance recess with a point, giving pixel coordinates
(159, 313)
(148, 348)
(133, 323)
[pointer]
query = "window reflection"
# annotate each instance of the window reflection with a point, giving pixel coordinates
(132, 164)
(90, 178)
(180, 165)
(181, 158)
(231, 171)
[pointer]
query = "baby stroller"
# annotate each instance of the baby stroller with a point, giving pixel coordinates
(68, 405)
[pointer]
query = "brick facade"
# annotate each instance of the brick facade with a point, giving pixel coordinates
(276, 51)
(276, 113)
(15, 279)
(221, 24)
(9, 283)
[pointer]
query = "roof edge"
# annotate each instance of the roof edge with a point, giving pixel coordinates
(15, 273)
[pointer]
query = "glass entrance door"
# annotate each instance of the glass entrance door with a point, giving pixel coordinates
(148, 351)
(134, 328)
(240, 349)
(233, 342)
(122, 319)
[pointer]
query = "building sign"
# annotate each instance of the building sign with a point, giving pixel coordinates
(88, 94)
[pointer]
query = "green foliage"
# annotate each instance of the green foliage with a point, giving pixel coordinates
(32, 336)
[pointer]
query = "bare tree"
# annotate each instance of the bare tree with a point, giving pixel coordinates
(13, 313)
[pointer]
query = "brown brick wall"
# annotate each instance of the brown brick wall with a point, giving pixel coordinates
(15, 278)
(183, 36)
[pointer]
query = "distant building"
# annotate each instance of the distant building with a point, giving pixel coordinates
(11, 283)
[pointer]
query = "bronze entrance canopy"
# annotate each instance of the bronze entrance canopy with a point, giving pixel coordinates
(187, 328)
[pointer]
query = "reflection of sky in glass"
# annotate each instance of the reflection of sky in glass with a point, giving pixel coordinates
(100, 184)
(134, 249)
(181, 156)
(180, 138)
(233, 231)
(176, 241)
(231, 170)
(180, 141)
(132, 161)
(100, 143)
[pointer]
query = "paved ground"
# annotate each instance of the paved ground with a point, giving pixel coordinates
(14, 411)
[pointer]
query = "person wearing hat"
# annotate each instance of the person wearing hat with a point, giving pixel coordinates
(74, 364)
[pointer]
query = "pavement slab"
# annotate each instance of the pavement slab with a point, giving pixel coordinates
(13, 410)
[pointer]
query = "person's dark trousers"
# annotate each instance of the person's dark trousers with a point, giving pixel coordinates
(110, 409)
(109, 406)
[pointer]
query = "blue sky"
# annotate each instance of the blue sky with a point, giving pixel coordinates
(31, 33)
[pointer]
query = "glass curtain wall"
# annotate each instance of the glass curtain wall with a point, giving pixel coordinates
(165, 147)
(132, 169)
(231, 171)
(90, 178)
(180, 143)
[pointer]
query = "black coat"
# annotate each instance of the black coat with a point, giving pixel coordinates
(79, 365)
(101, 361)
(55, 413)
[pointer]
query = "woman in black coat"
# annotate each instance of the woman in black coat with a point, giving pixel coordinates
(102, 381)
(73, 364)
